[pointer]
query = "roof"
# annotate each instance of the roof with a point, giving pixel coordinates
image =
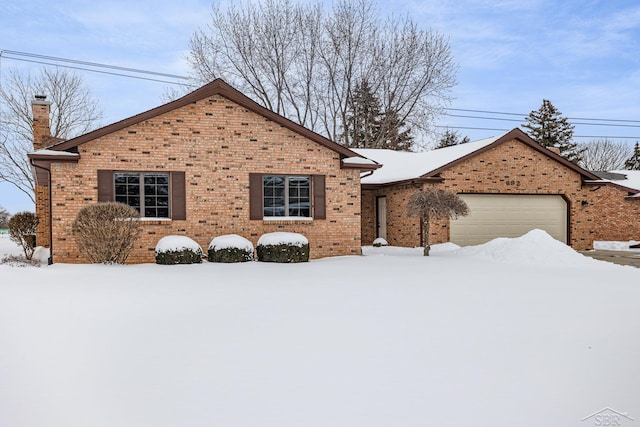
(405, 166)
(216, 87)
(625, 178)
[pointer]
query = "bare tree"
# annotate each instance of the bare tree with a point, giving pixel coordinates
(304, 62)
(4, 217)
(435, 203)
(605, 155)
(73, 112)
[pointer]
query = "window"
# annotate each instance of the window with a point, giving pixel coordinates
(147, 192)
(286, 196)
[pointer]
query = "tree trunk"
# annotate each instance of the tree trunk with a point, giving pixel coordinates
(425, 235)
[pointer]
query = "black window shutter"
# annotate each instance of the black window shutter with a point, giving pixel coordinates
(178, 196)
(255, 196)
(105, 186)
(319, 197)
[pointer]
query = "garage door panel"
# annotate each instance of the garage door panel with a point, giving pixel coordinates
(501, 215)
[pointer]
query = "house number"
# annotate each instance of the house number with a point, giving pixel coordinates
(513, 183)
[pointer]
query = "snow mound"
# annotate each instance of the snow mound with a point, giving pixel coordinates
(400, 251)
(380, 242)
(231, 241)
(177, 243)
(282, 238)
(603, 245)
(534, 247)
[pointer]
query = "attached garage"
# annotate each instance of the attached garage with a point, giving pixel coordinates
(509, 215)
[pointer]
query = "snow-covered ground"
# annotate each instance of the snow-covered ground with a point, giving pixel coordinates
(517, 332)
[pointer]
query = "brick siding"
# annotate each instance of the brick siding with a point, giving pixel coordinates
(217, 143)
(512, 168)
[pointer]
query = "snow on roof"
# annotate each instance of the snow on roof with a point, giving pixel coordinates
(55, 153)
(632, 180)
(403, 165)
(358, 161)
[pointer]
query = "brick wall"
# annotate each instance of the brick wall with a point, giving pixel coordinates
(42, 212)
(217, 144)
(513, 168)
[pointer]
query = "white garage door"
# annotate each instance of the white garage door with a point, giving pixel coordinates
(500, 215)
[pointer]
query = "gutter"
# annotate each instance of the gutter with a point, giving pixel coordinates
(50, 259)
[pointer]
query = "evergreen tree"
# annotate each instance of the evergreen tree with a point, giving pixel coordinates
(363, 118)
(391, 136)
(451, 138)
(633, 162)
(367, 126)
(550, 129)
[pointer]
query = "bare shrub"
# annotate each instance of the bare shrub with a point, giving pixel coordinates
(106, 232)
(435, 203)
(19, 261)
(22, 230)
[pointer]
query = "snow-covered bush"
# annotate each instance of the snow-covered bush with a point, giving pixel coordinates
(106, 232)
(380, 242)
(22, 230)
(172, 250)
(283, 247)
(230, 248)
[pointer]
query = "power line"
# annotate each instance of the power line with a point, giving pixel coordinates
(91, 64)
(99, 71)
(573, 123)
(25, 55)
(525, 115)
(506, 130)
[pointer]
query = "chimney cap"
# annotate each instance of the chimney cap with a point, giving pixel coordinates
(40, 100)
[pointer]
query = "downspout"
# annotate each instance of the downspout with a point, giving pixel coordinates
(50, 259)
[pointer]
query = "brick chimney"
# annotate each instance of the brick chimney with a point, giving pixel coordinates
(555, 150)
(41, 123)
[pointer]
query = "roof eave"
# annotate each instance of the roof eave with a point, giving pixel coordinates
(216, 87)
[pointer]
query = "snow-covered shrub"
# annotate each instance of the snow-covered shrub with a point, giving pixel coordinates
(380, 242)
(22, 230)
(230, 248)
(283, 247)
(106, 232)
(178, 250)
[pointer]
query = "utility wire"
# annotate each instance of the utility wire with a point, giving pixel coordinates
(525, 115)
(91, 64)
(573, 123)
(98, 71)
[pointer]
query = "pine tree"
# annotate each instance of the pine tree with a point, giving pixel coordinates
(363, 120)
(451, 138)
(367, 126)
(633, 162)
(391, 136)
(550, 129)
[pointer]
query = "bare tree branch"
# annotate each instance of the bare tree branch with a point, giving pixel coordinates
(73, 112)
(304, 61)
(605, 155)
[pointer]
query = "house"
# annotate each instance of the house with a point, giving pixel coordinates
(511, 184)
(210, 163)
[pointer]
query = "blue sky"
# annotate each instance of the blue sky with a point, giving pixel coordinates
(582, 55)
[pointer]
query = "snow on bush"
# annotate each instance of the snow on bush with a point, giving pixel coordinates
(534, 247)
(380, 242)
(283, 247)
(230, 248)
(178, 250)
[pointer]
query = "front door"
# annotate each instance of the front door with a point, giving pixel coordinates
(381, 217)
